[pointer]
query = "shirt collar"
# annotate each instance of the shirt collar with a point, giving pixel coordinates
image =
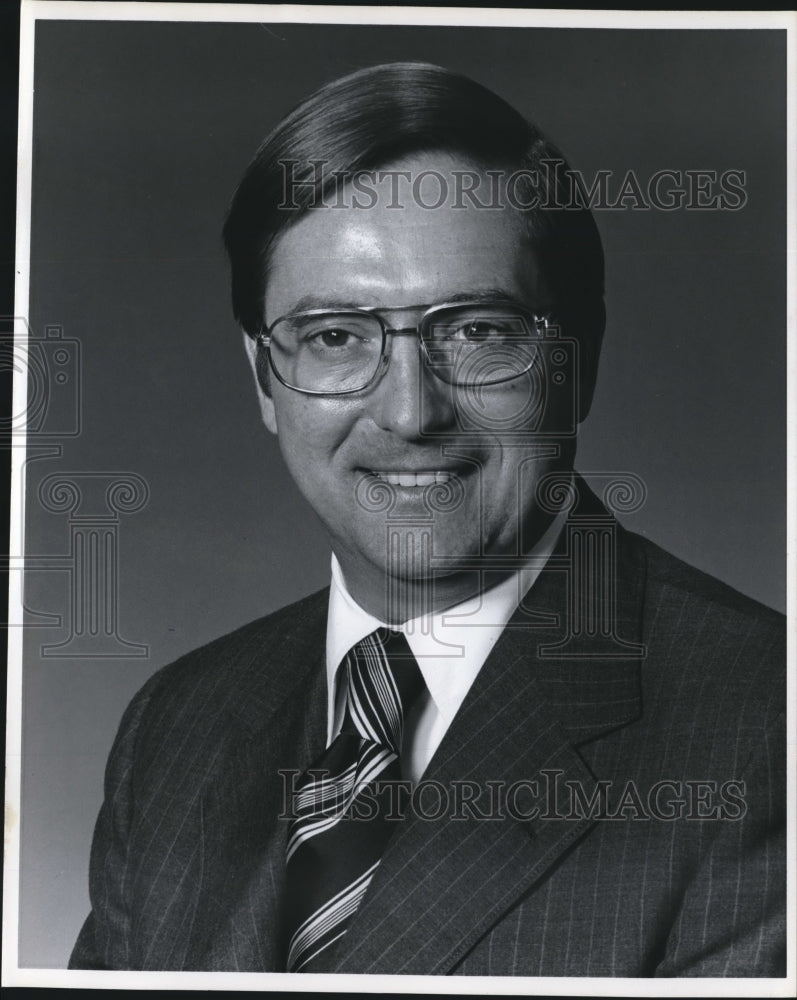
(450, 646)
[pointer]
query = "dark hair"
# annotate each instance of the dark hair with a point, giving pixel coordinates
(367, 119)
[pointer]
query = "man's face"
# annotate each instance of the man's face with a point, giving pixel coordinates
(346, 452)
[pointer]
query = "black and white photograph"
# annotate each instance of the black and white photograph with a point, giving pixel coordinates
(400, 566)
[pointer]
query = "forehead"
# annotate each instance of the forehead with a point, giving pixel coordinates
(380, 241)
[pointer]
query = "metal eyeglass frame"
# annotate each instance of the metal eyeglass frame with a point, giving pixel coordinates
(539, 323)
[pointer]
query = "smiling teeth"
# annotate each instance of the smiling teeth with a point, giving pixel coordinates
(414, 478)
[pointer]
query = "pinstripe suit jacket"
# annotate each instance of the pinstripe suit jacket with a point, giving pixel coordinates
(187, 862)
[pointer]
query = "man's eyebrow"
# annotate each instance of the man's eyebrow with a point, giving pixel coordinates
(314, 301)
(483, 295)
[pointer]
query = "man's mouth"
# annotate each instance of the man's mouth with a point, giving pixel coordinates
(425, 478)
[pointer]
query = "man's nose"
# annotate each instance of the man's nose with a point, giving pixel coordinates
(410, 400)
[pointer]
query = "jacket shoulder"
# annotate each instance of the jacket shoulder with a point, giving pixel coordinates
(230, 684)
(668, 571)
(233, 651)
(716, 647)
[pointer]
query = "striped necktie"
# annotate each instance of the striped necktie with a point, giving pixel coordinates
(340, 827)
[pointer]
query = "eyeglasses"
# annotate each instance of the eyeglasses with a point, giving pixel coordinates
(333, 352)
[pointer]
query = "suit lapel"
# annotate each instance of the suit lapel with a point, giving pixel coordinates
(282, 726)
(443, 882)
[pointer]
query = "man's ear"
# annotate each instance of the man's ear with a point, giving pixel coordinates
(259, 364)
(590, 351)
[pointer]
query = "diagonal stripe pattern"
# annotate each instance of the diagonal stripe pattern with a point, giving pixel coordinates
(341, 803)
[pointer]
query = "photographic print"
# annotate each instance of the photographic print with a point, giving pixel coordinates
(398, 577)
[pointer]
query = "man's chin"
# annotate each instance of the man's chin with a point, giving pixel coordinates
(405, 553)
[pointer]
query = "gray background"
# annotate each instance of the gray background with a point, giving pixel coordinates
(141, 133)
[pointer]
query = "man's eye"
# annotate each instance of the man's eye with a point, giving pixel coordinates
(332, 338)
(476, 330)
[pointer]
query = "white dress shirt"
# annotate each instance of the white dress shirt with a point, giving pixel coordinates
(450, 646)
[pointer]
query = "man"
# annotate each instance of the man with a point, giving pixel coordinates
(512, 738)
